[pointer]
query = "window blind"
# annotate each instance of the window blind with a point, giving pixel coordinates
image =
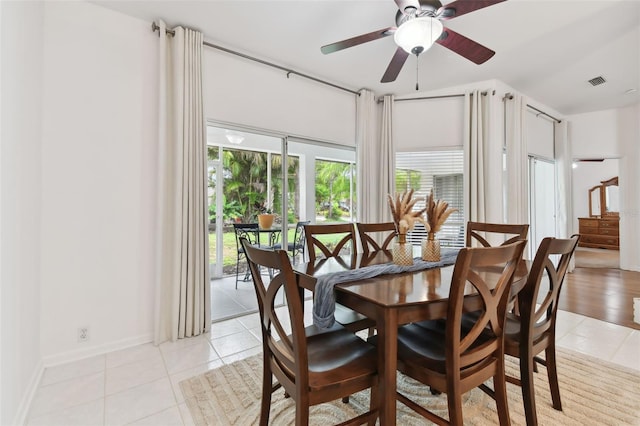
(442, 171)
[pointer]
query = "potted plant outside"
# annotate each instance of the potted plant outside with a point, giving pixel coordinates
(265, 216)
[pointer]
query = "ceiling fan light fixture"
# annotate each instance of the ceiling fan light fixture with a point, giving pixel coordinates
(417, 35)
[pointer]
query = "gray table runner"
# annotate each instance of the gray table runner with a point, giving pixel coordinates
(324, 298)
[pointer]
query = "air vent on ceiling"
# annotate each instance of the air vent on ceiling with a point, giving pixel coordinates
(596, 81)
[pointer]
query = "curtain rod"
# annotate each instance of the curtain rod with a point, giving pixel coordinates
(510, 96)
(155, 27)
(459, 95)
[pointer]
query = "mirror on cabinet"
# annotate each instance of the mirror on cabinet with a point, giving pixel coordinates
(604, 199)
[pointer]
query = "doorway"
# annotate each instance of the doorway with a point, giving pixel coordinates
(542, 201)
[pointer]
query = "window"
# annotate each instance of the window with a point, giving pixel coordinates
(442, 171)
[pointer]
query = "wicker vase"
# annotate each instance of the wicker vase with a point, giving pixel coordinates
(402, 251)
(431, 248)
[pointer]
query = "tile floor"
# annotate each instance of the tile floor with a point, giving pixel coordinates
(227, 302)
(139, 385)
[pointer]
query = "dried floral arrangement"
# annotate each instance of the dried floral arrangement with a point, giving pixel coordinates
(401, 209)
(438, 212)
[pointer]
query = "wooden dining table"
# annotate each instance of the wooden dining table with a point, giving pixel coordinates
(391, 301)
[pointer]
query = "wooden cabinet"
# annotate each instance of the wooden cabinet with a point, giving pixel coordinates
(600, 232)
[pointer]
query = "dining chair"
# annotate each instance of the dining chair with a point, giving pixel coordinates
(345, 234)
(250, 231)
(533, 328)
(453, 361)
(372, 233)
(296, 246)
(312, 365)
(481, 232)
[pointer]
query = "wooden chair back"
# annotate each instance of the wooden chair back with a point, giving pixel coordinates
(287, 347)
(458, 359)
(345, 231)
(479, 232)
(531, 329)
(312, 365)
(484, 339)
(368, 232)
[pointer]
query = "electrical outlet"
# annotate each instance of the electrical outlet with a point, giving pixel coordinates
(83, 334)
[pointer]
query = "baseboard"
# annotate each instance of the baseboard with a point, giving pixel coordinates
(78, 354)
(25, 404)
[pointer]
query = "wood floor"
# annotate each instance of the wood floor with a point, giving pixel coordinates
(601, 293)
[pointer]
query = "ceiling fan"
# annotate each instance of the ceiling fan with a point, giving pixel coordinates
(418, 27)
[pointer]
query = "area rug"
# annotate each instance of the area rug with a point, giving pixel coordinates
(593, 393)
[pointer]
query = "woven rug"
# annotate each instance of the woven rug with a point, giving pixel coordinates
(593, 393)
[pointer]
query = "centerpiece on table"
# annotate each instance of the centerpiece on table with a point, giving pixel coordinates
(438, 212)
(265, 216)
(405, 218)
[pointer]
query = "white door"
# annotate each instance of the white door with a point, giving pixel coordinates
(542, 196)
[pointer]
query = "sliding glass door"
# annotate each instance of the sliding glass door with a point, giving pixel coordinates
(245, 179)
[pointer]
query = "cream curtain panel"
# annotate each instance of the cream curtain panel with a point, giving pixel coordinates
(517, 158)
(182, 307)
(477, 146)
(564, 163)
(376, 158)
(387, 158)
(366, 142)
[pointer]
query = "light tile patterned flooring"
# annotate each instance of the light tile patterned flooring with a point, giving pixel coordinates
(139, 385)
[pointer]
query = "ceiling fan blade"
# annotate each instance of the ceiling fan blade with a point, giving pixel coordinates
(412, 6)
(461, 7)
(398, 60)
(354, 41)
(463, 46)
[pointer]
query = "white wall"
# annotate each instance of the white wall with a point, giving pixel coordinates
(428, 123)
(595, 134)
(539, 135)
(615, 134)
(20, 205)
(99, 174)
(628, 120)
(240, 91)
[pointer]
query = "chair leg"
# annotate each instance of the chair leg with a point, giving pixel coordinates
(267, 388)
(500, 393)
(373, 403)
(302, 411)
(454, 403)
(552, 373)
(528, 392)
(237, 270)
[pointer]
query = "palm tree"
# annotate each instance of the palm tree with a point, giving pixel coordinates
(245, 176)
(293, 187)
(332, 181)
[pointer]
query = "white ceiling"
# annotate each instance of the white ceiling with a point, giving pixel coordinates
(547, 50)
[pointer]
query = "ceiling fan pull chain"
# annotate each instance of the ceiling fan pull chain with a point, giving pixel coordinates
(417, 70)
